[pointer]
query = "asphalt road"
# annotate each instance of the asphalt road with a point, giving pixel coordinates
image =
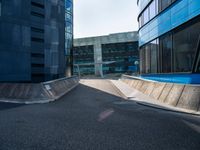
(94, 117)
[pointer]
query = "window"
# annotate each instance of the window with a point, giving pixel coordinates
(164, 4)
(37, 55)
(37, 4)
(154, 56)
(37, 14)
(166, 53)
(33, 29)
(185, 45)
(142, 19)
(37, 65)
(147, 58)
(69, 6)
(140, 22)
(69, 27)
(198, 64)
(0, 6)
(68, 17)
(146, 16)
(152, 10)
(142, 60)
(34, 39)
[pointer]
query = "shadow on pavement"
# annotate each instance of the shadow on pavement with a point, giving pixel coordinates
(4, 106)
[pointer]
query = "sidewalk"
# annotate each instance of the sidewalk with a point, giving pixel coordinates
(142, 99)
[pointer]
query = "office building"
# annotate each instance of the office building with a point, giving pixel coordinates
(69, 36)
(114, 53)
(169, 34)
(32, 39)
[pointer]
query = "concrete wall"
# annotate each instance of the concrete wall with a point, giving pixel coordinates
(28, 93)
(177, 95)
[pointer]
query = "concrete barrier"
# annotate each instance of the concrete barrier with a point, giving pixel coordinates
(150, 88)
(177, 95)
(165, 92)
(136, 83)
(144, 87)
(157, 90)
(29, 93)
(132, 83)
(60, 87)
(139, 85)
(190, 98)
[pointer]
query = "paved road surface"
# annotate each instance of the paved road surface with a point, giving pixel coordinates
(94, 117)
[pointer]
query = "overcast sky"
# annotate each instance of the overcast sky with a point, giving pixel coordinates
(101, 17)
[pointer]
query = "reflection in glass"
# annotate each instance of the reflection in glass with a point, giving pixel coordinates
(184, 46)
(154, 56)
(166, 51)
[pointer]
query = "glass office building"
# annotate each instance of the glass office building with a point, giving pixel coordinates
(69, 36)
(32, 40)
(119, 48)
(125, 54)
(169, 35)
(84, 55)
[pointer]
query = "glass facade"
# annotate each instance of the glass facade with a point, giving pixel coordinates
(185, 46)
(69, 36)
(176, 14)
(152, 9)
(122, 54)
(125, 55)
(168, 40)
(83, 55)
(0, 7)
(32, 40)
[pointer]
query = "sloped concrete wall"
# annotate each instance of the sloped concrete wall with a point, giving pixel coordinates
(60, 87)
(177, 95)
(29, 93)
(190, 98)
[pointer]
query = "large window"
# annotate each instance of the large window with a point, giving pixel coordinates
(175, 51)
(147, 57)
(154, 56)
(164, 4)
(0, 7)
(198, 65)
(125, 54)
(185, 45)
(146, 16)
(152, 9)
(142, 60)
(166, 53)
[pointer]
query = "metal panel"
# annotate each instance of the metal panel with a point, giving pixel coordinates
(177, 14)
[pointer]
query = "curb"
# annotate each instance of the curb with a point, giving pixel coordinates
(166, 109)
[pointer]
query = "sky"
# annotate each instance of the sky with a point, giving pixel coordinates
(102, 17)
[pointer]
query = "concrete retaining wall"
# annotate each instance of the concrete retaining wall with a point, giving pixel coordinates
(29, 93)
(177, 95)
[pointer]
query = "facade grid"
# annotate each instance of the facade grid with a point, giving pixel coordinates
(169, 37)
(32, 40)
(97, 52)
